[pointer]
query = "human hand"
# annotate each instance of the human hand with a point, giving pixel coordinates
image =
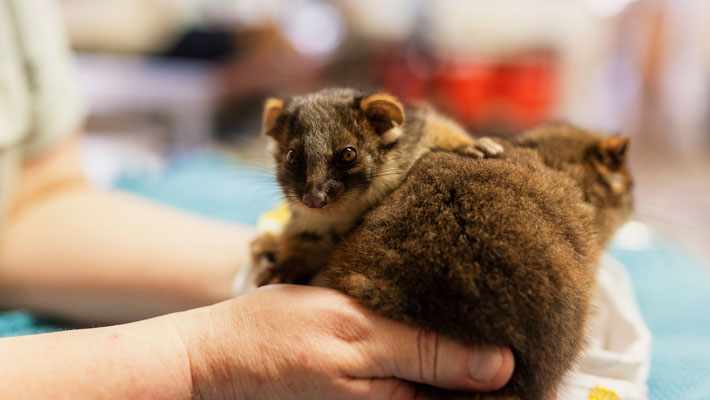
(306, 342)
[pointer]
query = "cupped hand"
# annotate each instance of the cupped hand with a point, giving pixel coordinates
(297, 342)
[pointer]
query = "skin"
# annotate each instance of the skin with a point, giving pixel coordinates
(153, 259)
(140, 260)
(277, 342)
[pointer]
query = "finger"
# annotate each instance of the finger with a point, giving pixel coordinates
(411, 354)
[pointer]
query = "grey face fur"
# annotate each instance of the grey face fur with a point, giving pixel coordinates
(329, 144)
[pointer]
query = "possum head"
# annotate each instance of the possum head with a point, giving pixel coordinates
(330, 145)
(597, 162)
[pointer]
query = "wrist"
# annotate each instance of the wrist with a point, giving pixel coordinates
(183, 356)
(153, 349)
(205, 335)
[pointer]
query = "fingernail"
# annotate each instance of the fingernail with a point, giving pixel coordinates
(484, 363)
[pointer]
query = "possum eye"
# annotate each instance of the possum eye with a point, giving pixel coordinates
(347, 156)
(291, 157)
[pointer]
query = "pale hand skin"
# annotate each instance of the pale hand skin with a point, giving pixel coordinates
(275, 343)
(304, 343)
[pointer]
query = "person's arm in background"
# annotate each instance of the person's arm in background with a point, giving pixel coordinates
(66, 248)
(70, 250)
(279, 342)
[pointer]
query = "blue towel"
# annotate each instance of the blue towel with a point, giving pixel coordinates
(673, 291)
(672, 288)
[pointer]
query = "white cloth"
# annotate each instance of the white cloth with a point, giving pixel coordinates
(39, 100)
(617, 359)
(245, 280)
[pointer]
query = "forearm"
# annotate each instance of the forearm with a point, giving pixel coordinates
(141, 360)
(107, 257)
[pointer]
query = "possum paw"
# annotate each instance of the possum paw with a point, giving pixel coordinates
(484, 147)
(264, 249)
(489, 147)
(269, 277)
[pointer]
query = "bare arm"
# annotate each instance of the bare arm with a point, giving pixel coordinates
(274, 343)
(141, 360)
(96, 256)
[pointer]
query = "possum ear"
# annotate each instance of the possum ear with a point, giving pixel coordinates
(613, 151)
(384, 113)
(611, 154)
(272, 110)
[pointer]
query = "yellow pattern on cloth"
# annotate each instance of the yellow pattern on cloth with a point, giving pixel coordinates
(273, 221)
(600, 393)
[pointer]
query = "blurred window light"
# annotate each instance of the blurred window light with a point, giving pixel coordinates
(607, 8)
(314, 29)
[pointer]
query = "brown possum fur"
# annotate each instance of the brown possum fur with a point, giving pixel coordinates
(313, 131)
(495, 251)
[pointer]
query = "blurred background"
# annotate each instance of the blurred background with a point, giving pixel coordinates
(173, 85)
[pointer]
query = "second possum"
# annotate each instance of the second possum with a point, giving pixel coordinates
(338, 152)
(497, 251)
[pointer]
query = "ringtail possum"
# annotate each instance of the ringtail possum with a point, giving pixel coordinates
(338, 152)
(500, 251)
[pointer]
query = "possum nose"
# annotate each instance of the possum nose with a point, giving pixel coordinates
(315, 199)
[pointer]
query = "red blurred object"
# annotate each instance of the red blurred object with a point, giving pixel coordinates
(517, 92)
(467, 88)
(404, 71)
(526, 89)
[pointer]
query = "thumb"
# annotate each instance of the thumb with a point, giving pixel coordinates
(416, 355)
